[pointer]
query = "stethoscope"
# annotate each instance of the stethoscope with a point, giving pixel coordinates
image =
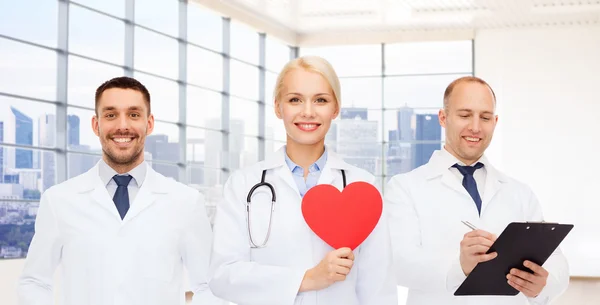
(273, 200)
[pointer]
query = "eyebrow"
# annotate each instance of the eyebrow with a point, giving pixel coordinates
(470, 111)
(111, 108)
(300, 94)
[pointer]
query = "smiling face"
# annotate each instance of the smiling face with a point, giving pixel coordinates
(469, 120)
(122, 124)
(307, 104)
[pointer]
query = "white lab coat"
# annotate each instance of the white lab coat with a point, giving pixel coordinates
(272, 275)
(106, 260)
(426, 207)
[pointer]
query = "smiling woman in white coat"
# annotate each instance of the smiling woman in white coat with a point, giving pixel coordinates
(120, 232)
(284, 262)
(433, 250)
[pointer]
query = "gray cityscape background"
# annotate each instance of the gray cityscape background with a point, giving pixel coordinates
(211, 96)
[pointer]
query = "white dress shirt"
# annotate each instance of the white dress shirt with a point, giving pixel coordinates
(107, 173)
(479, 175)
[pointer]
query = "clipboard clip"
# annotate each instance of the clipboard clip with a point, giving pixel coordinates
(542, 222)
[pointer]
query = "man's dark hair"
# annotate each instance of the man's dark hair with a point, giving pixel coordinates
(123, 82)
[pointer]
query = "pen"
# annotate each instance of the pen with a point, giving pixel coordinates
(470, 225)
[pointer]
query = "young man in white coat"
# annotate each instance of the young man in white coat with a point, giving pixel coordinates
(433, 251)
(121, 232)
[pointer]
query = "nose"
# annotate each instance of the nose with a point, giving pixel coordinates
(123, 123)
(308, 111)
(475, 125)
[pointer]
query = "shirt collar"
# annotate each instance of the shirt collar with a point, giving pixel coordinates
(106, 173)
(448, 160)
(315, 167)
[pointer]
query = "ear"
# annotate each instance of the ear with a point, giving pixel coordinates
(442, 116)
(150, 126)
(96, 125)
(277, 108)
(337, 111)
(496, 119)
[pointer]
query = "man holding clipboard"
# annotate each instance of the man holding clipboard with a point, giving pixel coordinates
(434, 251)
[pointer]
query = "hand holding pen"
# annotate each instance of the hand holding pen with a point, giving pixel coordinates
(474, 246)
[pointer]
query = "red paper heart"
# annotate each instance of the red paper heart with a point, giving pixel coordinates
(342, 219)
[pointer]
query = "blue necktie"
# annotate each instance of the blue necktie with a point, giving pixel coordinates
(121, 197)
(469, 182)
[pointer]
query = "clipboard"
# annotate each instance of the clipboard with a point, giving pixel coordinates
(520, 241)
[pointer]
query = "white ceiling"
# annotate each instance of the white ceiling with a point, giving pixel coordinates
(318, 17)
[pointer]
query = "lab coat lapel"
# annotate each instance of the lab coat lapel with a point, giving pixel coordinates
(101, 197)
(450, 181)
(286, 175)
(147, 194)
(92, 184)
(326, 176)
(493, 183)
(334, 163)
(277, 163)
(437, 166)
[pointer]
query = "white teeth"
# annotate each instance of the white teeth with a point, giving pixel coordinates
(308, 126)
(122, 140)
(472, 139)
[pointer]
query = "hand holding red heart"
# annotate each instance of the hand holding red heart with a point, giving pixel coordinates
(333, 268)
(343, 220)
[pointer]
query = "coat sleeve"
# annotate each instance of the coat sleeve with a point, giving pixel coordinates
(234, 277)
(556, 264)
(416, 268)
(195, 247)
(36, 282)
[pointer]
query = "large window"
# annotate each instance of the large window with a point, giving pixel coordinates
(205, 68)
(155, 53)
(164, 96)
(27, 70)
(244, 43)
(51, 56)
(277, 54)
(37, 25)
(205, 28)
(244, 80)
(96, 35)
(362, 60)
(111, 7)
(158, 15)
(208, 117)
(84, 76)
(388, 122)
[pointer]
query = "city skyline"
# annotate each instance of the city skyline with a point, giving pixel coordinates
(410, 127)
(409, 146)
(27, 173)
(45, 68)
